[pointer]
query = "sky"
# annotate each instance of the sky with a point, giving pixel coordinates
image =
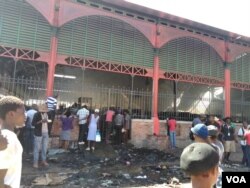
(229, 15)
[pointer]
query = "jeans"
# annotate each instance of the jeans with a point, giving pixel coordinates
(40, 143)
(83, 132)
(244, 151)
(248, 155)
(28, 140)
(172, 139)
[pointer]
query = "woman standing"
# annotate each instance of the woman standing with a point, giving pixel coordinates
(93, 126)
(67, 125)
(43, 124)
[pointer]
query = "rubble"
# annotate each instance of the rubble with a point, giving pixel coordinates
(109, 166)
(50, 179)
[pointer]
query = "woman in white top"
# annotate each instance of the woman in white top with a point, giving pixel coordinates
(93, 126)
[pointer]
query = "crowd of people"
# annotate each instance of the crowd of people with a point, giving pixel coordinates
(214, 139)
(222, 133)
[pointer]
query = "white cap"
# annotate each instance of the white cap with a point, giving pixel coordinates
(97, 110)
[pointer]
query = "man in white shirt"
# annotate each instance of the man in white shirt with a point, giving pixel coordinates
(243, 143)
(83, 115)
(12, 114)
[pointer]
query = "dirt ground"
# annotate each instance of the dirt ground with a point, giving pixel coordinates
(107, 166)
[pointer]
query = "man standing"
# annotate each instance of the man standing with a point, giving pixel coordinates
(127, 126)
(247, 137)
(29, 129)
(83, 115)
(243, 143)
(228, 132)
(12, 114)
(43, 124)
(172, 134)
(119, 123)
(109, 119)
(52, 104)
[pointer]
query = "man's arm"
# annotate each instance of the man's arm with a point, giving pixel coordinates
(2, 176)
(3, 142)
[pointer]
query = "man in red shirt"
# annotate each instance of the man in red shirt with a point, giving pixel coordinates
(247, 137)
(172, 127)
(109, 120)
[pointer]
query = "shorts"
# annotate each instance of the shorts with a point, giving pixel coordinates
(229, 146)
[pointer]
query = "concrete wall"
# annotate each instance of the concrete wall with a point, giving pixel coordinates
(142, 136)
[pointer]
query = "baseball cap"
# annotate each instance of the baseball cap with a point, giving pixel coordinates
(200, 130)
(198, 157)
(212, 130)
(97, 110)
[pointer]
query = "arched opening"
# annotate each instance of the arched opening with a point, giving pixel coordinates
(107, 39)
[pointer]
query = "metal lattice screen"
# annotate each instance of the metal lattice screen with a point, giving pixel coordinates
(105, 38)
(23, 26)
(190, 99)
(192, 56)
(240, 104)
(240, 68)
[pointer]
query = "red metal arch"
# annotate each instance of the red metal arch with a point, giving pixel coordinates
(45, 8)
(70, 11)
(168, 34)
(236, 51)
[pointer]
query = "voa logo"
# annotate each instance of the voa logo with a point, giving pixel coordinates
(236, 179)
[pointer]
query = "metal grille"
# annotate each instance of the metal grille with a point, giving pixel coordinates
(240, 104)
(23, 26)
(240, 68)
(107, 39)
(192, 56)
(190, 99)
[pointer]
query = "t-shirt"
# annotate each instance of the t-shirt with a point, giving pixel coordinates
(119, 119)
(11, 159)
(228, 132)
(127, 121)
(241, 132)
(109, 115)
(247, 137)
(30, 115)
(82, 115)
(67, 122)
(220, 148)
(51, 103)
(172, 124)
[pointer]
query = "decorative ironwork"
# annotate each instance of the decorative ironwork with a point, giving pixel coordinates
(240, 85)
(106, 66)
(193, 78)
(18, 53)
